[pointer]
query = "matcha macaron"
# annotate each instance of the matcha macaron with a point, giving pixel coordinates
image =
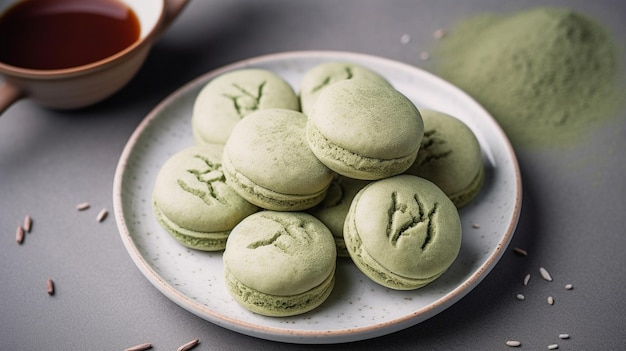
(402, 232)
(327, 73)
(268, 162)
(280, 263)
(231, 96)
(192, 201)
(364, 130)
(333, 209)
(450, 156)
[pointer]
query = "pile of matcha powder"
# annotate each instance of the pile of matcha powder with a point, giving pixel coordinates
(545, 74)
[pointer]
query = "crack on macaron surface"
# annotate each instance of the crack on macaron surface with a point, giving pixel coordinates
(328, 80)
(294, 229)
(407, 219)
(430, 149)
(208, 177)
(247, 101)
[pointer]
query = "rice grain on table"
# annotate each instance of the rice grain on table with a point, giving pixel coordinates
(520, 251)
(188, 346)
(140, 347)
(50, 286)
(553, 347)
(526, 279)
(550, 300)
(82, 206)
(569, 286)
(28, 223)
(102, 215)
(521, 297)
(19, 235)
(563, 336)
(545, 274)
(513, 343)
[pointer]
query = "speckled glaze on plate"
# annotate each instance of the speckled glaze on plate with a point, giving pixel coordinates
(357, 308)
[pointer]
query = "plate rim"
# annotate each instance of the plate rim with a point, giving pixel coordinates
(307, 336)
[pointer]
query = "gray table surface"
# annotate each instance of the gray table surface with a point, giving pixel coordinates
(573, 218)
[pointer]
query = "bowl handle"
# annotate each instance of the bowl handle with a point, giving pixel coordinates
(9, 94)
(172, 10)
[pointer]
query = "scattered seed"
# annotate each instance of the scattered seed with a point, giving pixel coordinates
(476, 226)
(526, 279)
(140, 347)
(550, 300)
(188, 346)
(28, 223)
(520, 297)
(102, 215)
(82, 206)
(440, 33)
(545, 274)
(563, 336)
(50, 286)
(513, 343)
(521, 252)
(405, 39)
(553, 347)
(19, 235)
(425, 56)
(569, 286)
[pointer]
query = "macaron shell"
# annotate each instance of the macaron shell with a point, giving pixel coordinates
(406, 225)
(267, 154)
(323, 75)
(278, 306)
(372, 120)
(190, 190)
(280, 253)
(230, 97)
(332, 211)
(450, 156)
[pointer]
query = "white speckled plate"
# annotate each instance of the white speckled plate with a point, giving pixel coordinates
(357, 308)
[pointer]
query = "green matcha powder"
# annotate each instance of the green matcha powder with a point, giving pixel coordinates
(545, 74)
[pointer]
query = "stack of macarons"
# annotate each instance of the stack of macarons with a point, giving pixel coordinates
(285, 183)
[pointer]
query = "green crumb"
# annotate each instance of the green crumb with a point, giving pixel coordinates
(545, 74)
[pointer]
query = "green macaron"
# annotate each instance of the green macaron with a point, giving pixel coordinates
(269, 163)
(233, 95)
(192, 201)
(280, 263)
(402, 232)
(333, 209)
(364, 130)
(450, 156)
(324, 74)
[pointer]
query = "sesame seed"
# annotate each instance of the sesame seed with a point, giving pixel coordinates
(82, 206)
(563, 336)
(520, 297)
(553, 347)
(550, 300)
(569, 286)
(545, 274)
(519, 251)
(526, 279)
(476, 226)
(405, 39)
(19, 235)
(50, 286)
(140, 347)
(28, 223)
(513, 343)
(188, 346)
(102, 215)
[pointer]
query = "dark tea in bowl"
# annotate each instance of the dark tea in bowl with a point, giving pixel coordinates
(67, 54)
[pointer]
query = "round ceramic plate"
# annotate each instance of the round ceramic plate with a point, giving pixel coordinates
(357, 308)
